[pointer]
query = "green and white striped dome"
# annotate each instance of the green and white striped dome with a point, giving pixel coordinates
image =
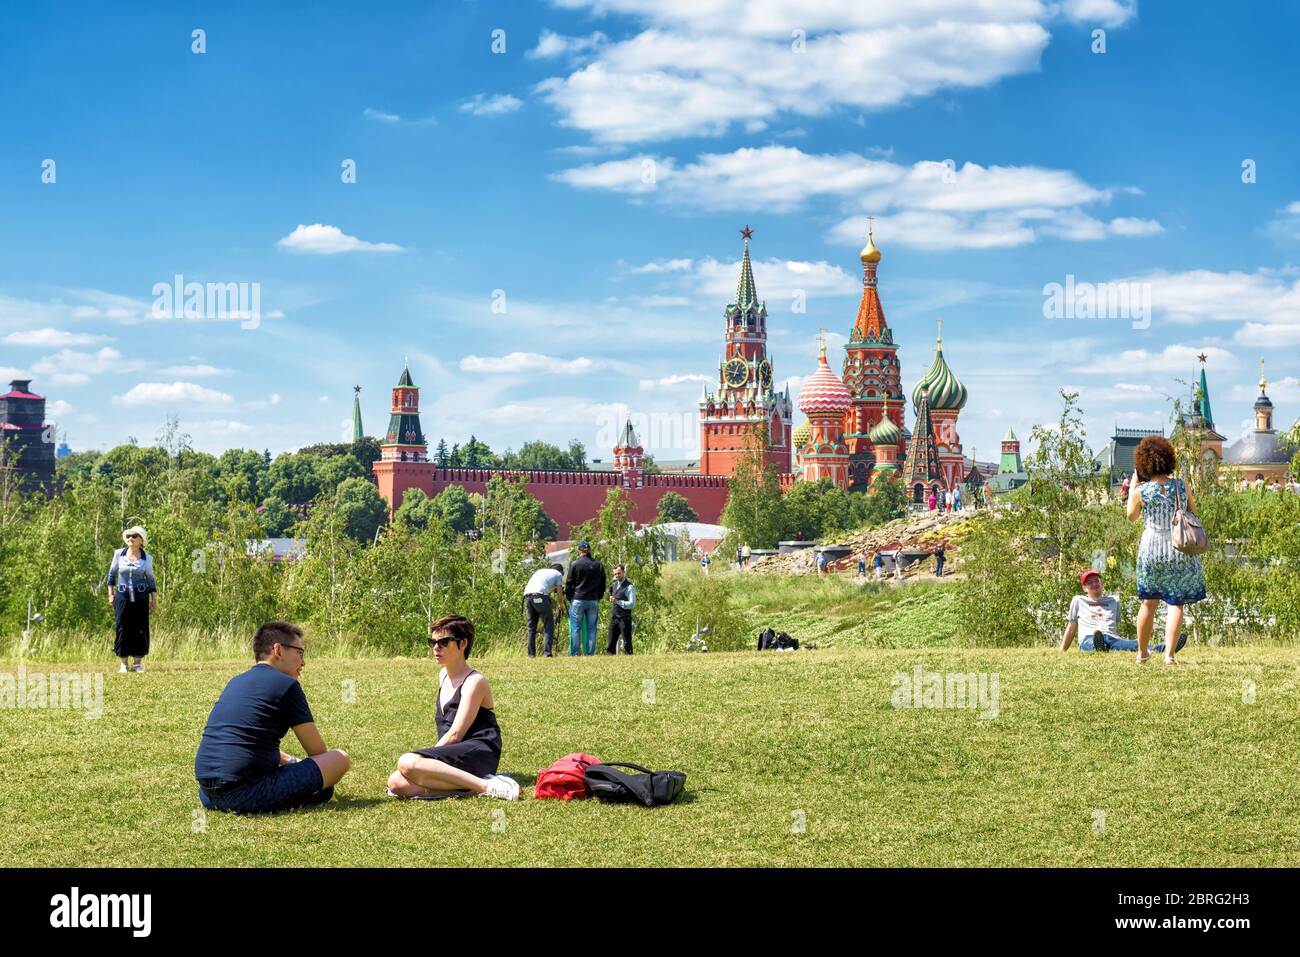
(946, 390)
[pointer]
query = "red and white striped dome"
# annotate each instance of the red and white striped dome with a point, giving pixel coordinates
(824, 392)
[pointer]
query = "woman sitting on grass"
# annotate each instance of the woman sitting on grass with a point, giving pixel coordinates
(465, 759)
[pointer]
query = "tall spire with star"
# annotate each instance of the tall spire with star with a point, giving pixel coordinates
(745, 400)
(358, 433)
(746, 292)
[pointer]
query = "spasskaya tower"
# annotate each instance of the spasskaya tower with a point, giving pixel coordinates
(745, 396)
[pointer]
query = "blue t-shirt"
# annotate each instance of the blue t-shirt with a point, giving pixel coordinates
(241, 741)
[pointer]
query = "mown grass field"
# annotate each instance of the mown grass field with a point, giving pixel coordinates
(1183, 768)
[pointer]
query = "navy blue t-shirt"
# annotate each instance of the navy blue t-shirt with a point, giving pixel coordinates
(241, 742)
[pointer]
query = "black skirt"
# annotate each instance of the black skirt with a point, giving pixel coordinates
(132, 639)
(474, 755)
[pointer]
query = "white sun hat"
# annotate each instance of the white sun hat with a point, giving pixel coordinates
(136, 529)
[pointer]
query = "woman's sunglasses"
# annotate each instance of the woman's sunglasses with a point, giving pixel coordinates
(440, 642)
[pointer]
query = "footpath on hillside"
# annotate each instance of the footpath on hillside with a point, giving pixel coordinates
(915, 535)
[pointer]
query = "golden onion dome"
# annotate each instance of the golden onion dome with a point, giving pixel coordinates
(869, 254)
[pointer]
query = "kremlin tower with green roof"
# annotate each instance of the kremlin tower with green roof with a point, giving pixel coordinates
(404, 441)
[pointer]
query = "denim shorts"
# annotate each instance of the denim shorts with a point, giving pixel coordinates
(288, 786)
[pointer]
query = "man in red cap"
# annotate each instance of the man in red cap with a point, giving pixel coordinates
(1094, 617)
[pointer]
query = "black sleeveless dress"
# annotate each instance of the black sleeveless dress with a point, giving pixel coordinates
(479, 752)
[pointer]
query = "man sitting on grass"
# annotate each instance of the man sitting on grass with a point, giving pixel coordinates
(1097, 617)
(240, 766)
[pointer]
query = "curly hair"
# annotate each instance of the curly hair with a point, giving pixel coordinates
(1154, 456)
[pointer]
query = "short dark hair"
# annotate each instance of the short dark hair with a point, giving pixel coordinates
(456, 627)
(619, 566)
(271, 633)
(1154, 456)
(556, 567)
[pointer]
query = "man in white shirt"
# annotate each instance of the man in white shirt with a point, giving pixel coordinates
(1095, 618)
(538, 604)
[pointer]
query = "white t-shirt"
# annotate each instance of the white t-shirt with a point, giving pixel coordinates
(543, 582)
(1092, 616)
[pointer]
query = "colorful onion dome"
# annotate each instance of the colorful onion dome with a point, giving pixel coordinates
(885, 432)
(869, 254)
(946, 390)
(802, 434)
(824, 392)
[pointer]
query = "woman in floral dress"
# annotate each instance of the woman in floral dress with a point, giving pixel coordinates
(1163, 573)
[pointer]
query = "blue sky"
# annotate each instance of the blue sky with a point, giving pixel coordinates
(550, 233)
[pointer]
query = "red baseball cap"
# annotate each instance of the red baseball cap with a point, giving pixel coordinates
(1088, 573)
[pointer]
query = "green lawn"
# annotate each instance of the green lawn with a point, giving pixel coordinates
(1184, 771)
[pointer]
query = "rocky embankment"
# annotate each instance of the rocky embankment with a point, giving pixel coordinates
(920, 532)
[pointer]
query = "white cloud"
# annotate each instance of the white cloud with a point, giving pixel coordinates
(674, 78)
(194, 371)
(1176, 360)
(552, 44)
(1285, 226)
(671, 381)
(69, 368)
(1262, 297)
(777, 280)
(58, 408)
(483, 105)
(1131, 226)
(52, 338)
(517, 362)
(667, 265)
(321, 240)
(931, 204)
(1269, 335)
(172, 393)
(225, 427)
(394, 119)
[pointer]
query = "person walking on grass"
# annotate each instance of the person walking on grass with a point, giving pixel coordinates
(133, 596)
(938, 560)
(465, 759)
(1164, 574)
(704, 562)
(239, 765)
(744, 555)
(1094, 617)
(862, 564)
(821, 563)
(584, 589)
(878, 563)
(539, 605)
(622, 599)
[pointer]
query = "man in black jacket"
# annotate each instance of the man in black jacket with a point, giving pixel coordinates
(622, 599)
(584, 588)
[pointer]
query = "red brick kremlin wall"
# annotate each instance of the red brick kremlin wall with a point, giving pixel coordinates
(568, 497)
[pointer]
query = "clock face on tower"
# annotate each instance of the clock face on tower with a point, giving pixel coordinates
(765, 376)
(736, 372)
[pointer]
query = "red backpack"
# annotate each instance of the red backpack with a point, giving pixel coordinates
(564, 779)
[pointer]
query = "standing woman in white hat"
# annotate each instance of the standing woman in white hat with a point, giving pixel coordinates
(133, 594)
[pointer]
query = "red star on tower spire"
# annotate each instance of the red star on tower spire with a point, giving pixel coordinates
(747, 232)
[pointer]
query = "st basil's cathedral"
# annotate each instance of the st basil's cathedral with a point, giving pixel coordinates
(855, 428)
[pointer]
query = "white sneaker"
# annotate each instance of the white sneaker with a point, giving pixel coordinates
(122, 669)
(138, 666)
(501, 787)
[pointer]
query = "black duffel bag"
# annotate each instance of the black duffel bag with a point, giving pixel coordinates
(648, 788)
